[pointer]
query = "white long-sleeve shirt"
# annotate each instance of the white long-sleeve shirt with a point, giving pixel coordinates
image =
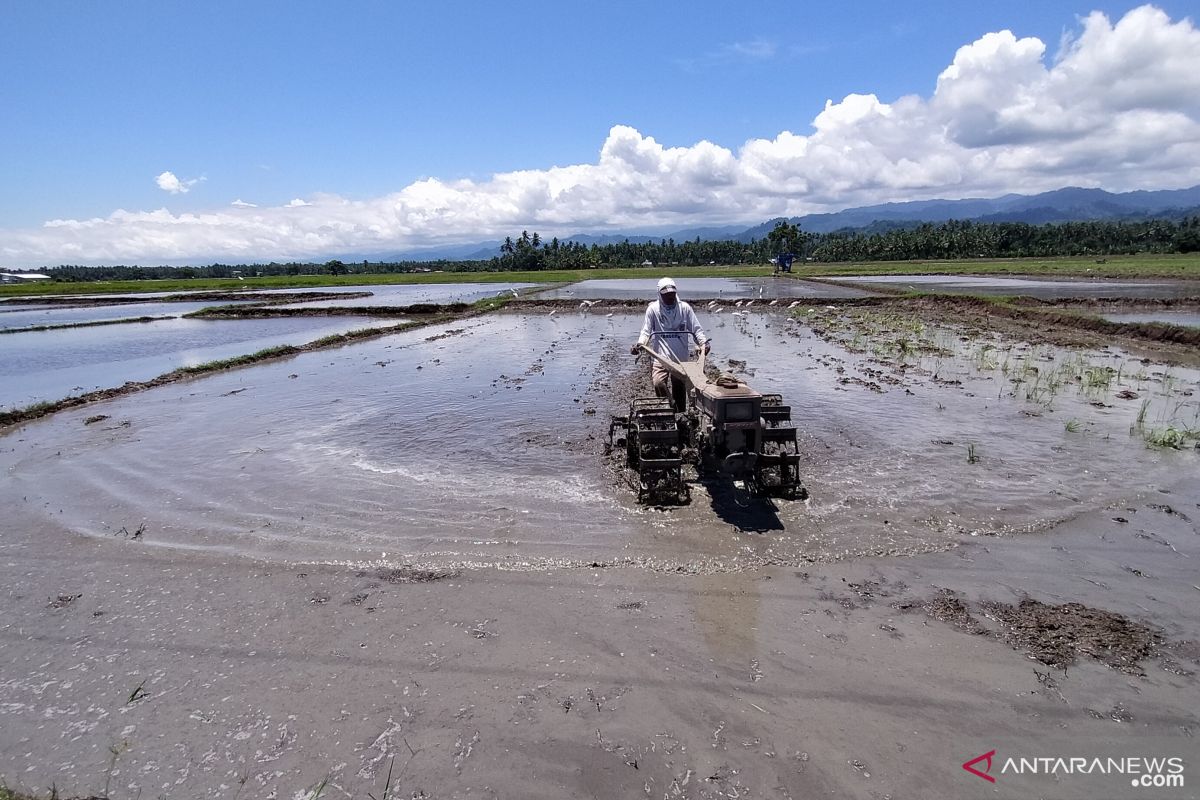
(676, 324)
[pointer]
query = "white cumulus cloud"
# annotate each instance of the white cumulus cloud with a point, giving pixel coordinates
(168, 182)
(1117, 107)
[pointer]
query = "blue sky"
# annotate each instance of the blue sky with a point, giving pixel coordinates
(346, 105)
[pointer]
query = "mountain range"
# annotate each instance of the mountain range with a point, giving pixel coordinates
(1071, 204)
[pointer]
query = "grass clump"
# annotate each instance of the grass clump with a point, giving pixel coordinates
(28, 412)
(237, 361)
(1171, 437)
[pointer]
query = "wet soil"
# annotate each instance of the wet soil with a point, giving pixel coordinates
(1057, 634)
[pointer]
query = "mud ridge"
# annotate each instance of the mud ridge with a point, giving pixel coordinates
(97, 323)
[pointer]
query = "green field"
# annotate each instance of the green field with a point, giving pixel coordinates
(1148, 266)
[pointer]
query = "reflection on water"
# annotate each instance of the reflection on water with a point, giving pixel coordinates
(1189, 319)
(483, 447)
(1028, 286)
(50, 365)
(25, 316)
(732, 288)
(404, 295)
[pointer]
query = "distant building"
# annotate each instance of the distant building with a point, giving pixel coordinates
(22, 277)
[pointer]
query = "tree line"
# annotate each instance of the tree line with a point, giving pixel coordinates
(925, 241)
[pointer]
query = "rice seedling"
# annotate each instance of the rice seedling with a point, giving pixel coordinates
(1098, 377)
(1170, 437)
(387, 784)
(318, 789)
(1073, 426)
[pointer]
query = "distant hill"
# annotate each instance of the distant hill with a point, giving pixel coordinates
(1061, 205)
(1071, 204)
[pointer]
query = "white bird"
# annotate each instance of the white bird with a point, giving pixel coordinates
(553, 311)
(514, 293)
(718, 310)
(588, 303)
(748, 304)
(760, 290)
(738, 304)
(609, 314)
(794, 304)
(773, 303)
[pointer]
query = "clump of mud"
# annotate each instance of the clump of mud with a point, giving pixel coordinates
(416, 575)
(1054, 635)
(946, 606)
(1057, 635)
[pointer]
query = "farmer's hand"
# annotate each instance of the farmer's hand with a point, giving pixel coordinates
(707, 346)
(637, 346)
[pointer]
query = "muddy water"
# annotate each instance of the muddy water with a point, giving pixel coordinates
(401, 447)
(732, 288)
(1030, 287)
(1189, 319)
(404, 295)
(50, 365)
(480, 443)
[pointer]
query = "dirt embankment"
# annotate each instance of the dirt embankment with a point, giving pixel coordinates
(261, 312)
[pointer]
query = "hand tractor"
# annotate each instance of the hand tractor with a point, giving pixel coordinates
(728, 427)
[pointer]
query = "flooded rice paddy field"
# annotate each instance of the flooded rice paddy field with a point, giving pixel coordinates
(1044, 289)
(481, 443)
(29, 316)
(45, 366)
(713, 288)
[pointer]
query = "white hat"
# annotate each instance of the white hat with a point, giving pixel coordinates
(666, 285)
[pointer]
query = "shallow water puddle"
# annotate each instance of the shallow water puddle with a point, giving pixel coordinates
(481, 442)
(1189, 319)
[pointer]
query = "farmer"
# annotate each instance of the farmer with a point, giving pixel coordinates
(668, 330)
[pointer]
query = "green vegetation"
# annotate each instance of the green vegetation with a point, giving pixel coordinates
(238, 361)
(1171, 437)
(1162, 248)
(130, 286)
(1167, 416)
(1180, 267)
(93, 324)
